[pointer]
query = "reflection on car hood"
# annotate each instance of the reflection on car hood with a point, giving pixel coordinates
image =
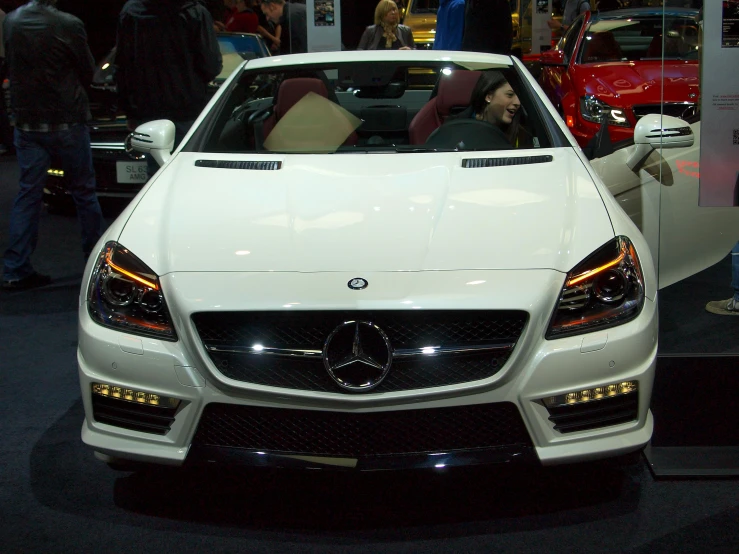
(626, 84)
(368, 212)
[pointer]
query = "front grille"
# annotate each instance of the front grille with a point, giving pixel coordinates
(596, 414)
(683, 110)
(138, 417)
(405, 330)
(358, 435)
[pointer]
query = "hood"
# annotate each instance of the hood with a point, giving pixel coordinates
(368, 212)
(622, 84)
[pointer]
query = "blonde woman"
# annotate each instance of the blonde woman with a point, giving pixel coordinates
(387, 33)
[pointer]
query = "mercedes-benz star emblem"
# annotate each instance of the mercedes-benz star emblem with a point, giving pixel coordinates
(358, 283)
(357, 355)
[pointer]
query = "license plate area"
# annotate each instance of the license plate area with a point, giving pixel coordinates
(131, 172)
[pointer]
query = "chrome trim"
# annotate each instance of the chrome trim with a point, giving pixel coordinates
(398, 353)
(266, 351)
(358, 355)
(445, 350)
(107, 146)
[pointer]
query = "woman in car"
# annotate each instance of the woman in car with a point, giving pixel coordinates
(493, 101)
(387, 33)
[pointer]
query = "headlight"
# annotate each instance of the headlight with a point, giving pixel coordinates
(596, 111)
(604, 290)
(126, 295)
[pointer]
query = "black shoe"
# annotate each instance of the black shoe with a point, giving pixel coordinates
(34, 280)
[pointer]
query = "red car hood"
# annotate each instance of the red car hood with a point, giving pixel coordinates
(627, 84)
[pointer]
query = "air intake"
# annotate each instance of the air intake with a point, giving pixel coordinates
(474, 163)
(252, 165)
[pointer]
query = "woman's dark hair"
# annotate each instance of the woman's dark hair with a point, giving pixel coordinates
(490, 81)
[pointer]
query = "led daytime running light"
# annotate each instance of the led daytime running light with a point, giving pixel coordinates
(134, 396)
(119, 269)
(595, 271)
(592, 395)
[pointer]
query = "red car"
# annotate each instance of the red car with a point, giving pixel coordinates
(609, 67)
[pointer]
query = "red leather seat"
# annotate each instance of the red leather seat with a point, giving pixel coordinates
(291, 91)
(602, 47)
(454, 91)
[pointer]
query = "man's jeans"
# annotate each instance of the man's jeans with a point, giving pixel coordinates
(34, 151)
(735, 270)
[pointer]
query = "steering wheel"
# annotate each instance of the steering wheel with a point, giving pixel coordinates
(468, 134)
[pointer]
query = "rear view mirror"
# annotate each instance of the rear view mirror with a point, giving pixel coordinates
(655, 131)
(155, 138)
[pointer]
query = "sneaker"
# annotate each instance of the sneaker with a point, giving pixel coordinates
(724, 307)
(34, 280)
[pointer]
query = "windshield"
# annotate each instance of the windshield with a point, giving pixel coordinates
(424, 6)
(367, 107)
(237, 47)
(641, 38)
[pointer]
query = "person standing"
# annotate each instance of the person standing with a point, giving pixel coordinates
(570, 12)
(488, 26)
(387, 33)
(270, 32)
(167, 53)
(244, 19)
(730, 306)
(291, 18)
(449, 25)
(49, 65)
(6, 133)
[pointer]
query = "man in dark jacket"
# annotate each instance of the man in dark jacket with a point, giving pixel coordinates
(488, 26)
(449, 25)
(49, 65)
(167, 53)
(291, 17)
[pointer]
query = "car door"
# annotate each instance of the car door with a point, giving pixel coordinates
(556, 64)
(661, 197)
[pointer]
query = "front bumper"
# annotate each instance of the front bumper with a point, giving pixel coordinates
(537, 369)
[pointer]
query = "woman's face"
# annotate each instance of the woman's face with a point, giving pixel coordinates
(392, 16)
(503, 104)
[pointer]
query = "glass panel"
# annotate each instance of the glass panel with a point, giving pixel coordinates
(369, 106)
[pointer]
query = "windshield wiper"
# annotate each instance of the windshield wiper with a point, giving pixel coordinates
(425, 149)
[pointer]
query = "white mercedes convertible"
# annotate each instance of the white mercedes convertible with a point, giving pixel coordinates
(332, 270)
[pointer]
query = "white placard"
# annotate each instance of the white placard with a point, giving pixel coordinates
(719, 157)
(541, 34)
(323, 18)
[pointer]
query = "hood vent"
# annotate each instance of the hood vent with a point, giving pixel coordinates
(473, 163)
(227, 164)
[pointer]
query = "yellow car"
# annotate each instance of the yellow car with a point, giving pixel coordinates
(420, 16)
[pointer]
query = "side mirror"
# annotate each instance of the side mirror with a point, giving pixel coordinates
(553, 57)
(654, 131)
(155, 138)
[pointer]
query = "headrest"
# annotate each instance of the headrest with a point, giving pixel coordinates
(292, 90)
(455, 90)
(602, 47)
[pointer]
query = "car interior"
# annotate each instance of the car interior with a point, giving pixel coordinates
(609, 40)
(351, 107)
